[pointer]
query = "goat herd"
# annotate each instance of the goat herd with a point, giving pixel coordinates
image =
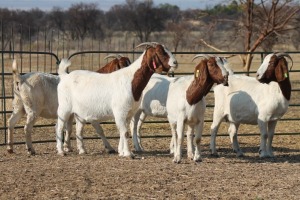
(138, 90)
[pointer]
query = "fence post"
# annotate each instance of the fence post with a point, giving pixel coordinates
(3, 82)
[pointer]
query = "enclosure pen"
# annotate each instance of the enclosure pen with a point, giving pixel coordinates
(30, 57)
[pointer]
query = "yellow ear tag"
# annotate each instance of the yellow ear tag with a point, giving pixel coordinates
(285, 75)
(197, 73)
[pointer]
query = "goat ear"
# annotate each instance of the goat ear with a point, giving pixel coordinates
(197, 73)
(151, 58)
(281, 70)
(200, 71)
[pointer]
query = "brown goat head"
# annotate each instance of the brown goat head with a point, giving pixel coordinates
(158, 58)
(209, 71)
(275, 68)
(117, 63)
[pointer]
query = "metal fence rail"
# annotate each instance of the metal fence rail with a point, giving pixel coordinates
(53, 60)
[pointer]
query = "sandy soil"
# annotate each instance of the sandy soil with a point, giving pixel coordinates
(152, 174)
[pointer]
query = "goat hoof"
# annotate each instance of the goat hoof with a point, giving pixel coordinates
(31, 152)
(132, 156)
(197, 159)
(176, 160)
(191, 156)
(10, 151)
(66, 149)
(82, 152)
(112, 151)
(216, 155)
(239, 155)
(61, 154)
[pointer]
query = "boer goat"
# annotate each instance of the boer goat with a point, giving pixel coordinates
(182, 101)
(94, 97)
(117, 63)
(249, 101)
(35, 94)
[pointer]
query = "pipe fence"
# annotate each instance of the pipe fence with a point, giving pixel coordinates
(30, 61)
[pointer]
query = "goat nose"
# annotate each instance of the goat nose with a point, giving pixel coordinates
(175, 62)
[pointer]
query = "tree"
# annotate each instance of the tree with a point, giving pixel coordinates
(84, 19)
(58, 18)
(262, 22)
(178, 32)
(142, 18)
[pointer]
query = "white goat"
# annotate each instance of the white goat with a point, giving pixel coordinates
(247, 101)
(181, 100)
(35, 94)
(94, 97)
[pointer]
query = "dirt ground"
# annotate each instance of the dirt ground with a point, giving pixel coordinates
(152, 174)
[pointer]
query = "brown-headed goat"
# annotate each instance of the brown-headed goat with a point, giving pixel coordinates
(96, 97)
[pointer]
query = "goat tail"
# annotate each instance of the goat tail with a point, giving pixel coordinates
(16, 75)
(63, 66)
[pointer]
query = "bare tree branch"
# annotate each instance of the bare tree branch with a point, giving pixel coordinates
(210, 46)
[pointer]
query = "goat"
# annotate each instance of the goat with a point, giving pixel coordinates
(35, 94)
(117, 63)
(94, 97)
(259, 102)
(182, 101)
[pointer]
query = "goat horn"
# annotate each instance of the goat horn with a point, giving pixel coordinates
(286, 55)
(201, 55)
(145, 44)
(110, 56)
(120, 56)
(155, 43)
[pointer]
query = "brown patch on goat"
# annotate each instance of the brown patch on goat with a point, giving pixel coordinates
(124, 62)
(114, 65)
(282, 76)
(154, 60)
(278, 71)
(206, 73)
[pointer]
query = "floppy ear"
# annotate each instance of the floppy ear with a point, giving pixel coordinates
(281, 70)
(201, 73)
(197, 74)
(198, 88)
(150, 57)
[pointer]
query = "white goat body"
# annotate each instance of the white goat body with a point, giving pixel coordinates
(247, 101)
(35, 94)
(94, 97)
(167, 97)
(181, 113)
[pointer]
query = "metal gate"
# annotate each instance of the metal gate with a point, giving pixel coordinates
(31, 61)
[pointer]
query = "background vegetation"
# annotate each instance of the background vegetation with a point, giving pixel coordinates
(239, 25)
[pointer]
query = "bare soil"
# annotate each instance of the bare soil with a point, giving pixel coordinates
(152, 174)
